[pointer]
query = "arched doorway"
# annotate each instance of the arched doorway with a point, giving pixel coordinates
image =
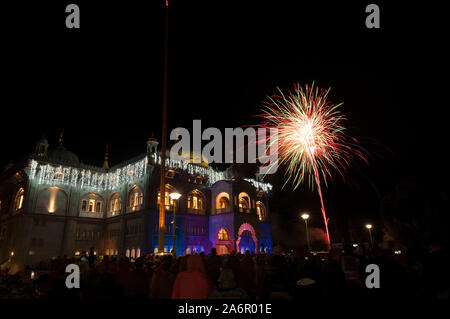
(223, 242)
(246, 242)
(246, 239)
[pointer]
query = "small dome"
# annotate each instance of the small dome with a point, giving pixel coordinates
(233, 173)
(61, 154)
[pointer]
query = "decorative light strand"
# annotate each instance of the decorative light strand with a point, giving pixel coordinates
(100, 181)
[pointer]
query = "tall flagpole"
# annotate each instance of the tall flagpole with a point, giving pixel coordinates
(162, 186)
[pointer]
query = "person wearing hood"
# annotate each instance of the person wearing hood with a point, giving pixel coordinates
(162, 280)
(192, 283)
(226, 287)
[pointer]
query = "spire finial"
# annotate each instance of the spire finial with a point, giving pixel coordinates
(61, 135)
(105, 163)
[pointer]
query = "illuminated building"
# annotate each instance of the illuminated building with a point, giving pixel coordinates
(51, 204)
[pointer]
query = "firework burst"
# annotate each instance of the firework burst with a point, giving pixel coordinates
(311, 139)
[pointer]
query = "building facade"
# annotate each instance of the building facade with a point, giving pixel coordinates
(51, 205)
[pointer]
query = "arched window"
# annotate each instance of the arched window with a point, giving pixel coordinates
(223, 203)
(168, 202)
(244, 203)
(136, 199)
(18, 201)
(91, 205)
(223, 234)
(115, 205)
(138, 253)
(84, 205)
(261, 210)
(133, 253)
(196, 202)
(127, 253)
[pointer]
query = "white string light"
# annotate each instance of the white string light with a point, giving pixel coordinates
(100, 181)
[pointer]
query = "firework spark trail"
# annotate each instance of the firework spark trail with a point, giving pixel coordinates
(311, 139)
(322, 206)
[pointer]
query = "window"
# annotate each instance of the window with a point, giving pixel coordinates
(196, 201)
(223, 203)
(244, 202)
(84, 205)
(91, 205)
(115, 204)
(260, 210)
(168, 202)
(223, 234)
(18, 203)
(136, 198)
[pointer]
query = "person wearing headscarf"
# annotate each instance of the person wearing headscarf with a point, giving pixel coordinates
(192, 283)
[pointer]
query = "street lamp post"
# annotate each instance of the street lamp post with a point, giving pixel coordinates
(305, 217)
(369, 228)
(174, 196)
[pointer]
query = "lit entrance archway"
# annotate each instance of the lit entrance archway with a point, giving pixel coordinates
(224, 243)
(246, 239)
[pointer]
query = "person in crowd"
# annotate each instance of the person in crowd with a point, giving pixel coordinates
(332, 278)
(162, 280)
(350, 265)
(91, 257)
(227, 288)
(246, 274)
(138, 283)
(213, 264)
(192, 283)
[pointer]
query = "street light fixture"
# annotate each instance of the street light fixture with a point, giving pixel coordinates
(174, 196)
(369, 228)
(305, 217)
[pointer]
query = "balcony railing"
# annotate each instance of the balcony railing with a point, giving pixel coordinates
(91, 214)
(196, 211)
(134, 208)
(223, 210)
(114, 213)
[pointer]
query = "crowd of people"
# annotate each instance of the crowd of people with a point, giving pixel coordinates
(340, 273)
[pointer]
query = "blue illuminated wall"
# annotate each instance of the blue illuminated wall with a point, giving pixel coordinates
(265, 232)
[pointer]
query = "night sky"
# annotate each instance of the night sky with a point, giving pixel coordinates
(103, 83)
